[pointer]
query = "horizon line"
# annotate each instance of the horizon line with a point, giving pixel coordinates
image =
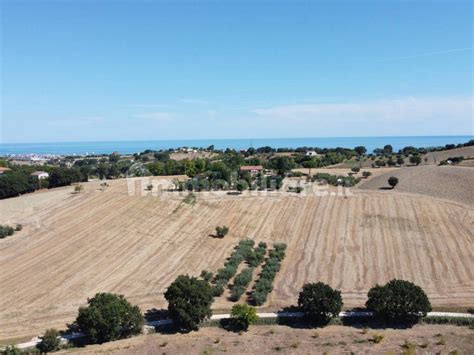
(234, 139)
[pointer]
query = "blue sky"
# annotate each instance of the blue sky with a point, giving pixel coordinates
(133, 70)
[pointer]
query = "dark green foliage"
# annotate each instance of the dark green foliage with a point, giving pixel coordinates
(189, 301)
(264, 284)
(49, 341)
(415, 159)
(217, 289)
(242, 316)
(12, 350)
(366, 174)
(65, 176)
(6, 231)
(393, 181)
(109, 317)
(241, 281)
(221, 232)
(206, 275)
(335, 179)
(320, 302)
(400, 160)
(15, 183)
(360, 150)
(398, 301)
(257, 256)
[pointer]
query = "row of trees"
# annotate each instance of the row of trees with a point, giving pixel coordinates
(110, 317)
(18, 181)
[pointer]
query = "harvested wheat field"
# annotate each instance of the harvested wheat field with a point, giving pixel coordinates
(424, 339)
(448, 182)
(103, 240)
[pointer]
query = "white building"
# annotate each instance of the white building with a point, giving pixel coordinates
(40, 174)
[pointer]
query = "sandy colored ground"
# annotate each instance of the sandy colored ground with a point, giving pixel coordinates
(436, 157)
(449, 182)
(425, 339)
(74, 245)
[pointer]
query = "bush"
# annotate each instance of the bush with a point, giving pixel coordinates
(50, 341)
(398, 300)
(109, 317)
(221, 232)
(206, 275)
(18, 227)
(264, 284)
(320, 302)
(355, 170)
(243, 315)
(393, 181)
(189, 301)
(366, 174)
(241, 282)
(6, 231)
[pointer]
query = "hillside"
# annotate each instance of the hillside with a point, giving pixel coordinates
(74, 245)
(436, 157)
(447, 182)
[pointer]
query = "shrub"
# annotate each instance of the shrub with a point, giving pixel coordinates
(415, 159)
(18, 227)
(264, 284)
(355, 170)
(241, 282)
(377, 338)
(319, 301)
(11, 350)
(243, 315)
(78, 188)
(109, 317)
(217, 290)
(50, 341)
(398, 300)
(221, 232)
(393, 181)
(6, 231)
(189, 301)
(366, 174)
(206, 275)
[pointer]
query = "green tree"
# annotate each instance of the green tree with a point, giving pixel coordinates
(393, 181)
(360, 150)
(50, 341)
(415, 159)
(221, 232)
(242, 316)
(398, 300)
(189, 301)
(319, 301)
(388, 149)
(109, 317)
(400, 160)
(366, 174)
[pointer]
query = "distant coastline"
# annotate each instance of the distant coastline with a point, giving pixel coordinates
(130, 147)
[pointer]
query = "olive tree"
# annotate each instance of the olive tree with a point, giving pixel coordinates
(393, 181)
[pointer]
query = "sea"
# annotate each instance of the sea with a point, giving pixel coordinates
(130, 147)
